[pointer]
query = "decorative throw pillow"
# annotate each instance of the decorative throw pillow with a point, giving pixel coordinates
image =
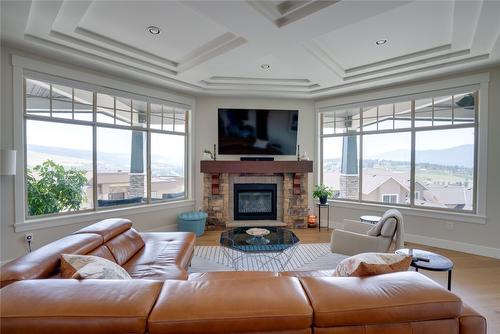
(368, 264)
(88, 266)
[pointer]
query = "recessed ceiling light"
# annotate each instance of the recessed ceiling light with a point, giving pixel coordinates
(265, 66)
(153, 30)
(381, 41)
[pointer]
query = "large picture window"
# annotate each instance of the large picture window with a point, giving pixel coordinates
(419, 152)
(90, 150)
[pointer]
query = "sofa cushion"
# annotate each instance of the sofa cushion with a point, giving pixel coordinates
(443, 326)
(88, 266)
(471, 322)
(223, 275)
(367, 264)
(164, 256)
(103, 251)
(125, 245)
(108, 228)
(74, 307)
(222, 306)
(44, 261)
(390, 298)
(310, 273)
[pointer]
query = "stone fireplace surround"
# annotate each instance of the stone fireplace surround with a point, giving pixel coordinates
(289, 176)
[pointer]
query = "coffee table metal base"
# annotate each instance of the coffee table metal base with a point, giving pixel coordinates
(266, 261)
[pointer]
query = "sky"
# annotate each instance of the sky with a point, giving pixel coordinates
(79, 137)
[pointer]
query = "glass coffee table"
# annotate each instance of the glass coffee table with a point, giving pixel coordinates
(270, 252)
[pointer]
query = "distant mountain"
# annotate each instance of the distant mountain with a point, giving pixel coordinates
(106, 161)
(462, 155)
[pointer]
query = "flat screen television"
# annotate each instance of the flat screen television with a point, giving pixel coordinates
(258, 131)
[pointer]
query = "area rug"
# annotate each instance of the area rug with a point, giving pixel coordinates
(307, 257)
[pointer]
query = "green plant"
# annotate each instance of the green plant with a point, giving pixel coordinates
(54, 189)
(322, 191)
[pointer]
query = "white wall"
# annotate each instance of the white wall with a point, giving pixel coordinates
(158, 218)
(482, 239)
(205, 123)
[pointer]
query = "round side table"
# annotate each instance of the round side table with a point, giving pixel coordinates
(429, 261)
(369, 219)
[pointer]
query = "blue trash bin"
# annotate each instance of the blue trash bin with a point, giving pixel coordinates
(193, 221)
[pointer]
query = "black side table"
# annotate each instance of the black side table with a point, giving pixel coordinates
(435, 262)
(321, 206)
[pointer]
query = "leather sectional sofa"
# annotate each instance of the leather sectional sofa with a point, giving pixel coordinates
(163, 298)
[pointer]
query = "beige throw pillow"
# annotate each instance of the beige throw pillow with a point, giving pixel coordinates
(368, 264)
(88, 266)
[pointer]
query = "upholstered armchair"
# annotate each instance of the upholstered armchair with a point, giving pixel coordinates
(356, 237)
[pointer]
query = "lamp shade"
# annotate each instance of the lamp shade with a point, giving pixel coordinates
(7, 162)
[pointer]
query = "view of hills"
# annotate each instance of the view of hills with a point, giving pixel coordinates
(82, 159)
(462, 155)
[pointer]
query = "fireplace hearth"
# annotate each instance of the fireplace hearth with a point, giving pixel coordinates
(255, 201)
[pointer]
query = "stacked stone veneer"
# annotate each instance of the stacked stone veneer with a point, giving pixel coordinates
(295, 206)
(216, 205)
(292, 208)
(136, 188)
(349, 186)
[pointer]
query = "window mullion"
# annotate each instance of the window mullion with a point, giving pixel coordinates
(148, 154)
(360, 158)
(94, 151)
(412, 152)
(476, 153)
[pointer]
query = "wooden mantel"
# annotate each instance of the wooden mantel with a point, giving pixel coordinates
(256, 167)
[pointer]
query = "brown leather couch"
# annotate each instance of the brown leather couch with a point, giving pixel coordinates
(158, 256)
(164, 299)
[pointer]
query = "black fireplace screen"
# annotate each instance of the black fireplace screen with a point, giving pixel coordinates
(253, 201)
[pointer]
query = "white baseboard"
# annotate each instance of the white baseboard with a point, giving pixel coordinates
(454, 245)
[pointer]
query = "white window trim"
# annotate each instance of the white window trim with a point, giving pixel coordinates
(20, 66)
(481, 79)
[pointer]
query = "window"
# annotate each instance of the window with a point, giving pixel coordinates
(89, 150)
(416, 152)
(390, 198)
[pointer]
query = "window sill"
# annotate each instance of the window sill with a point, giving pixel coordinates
(425, 213)
(49, 222)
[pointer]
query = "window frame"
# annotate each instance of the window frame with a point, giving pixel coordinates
(38, 70)
(476, 82)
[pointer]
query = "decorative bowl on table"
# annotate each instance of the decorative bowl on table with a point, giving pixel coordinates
(257, 232)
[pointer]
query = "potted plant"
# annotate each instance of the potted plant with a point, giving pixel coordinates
(207, 154)
(322, 193)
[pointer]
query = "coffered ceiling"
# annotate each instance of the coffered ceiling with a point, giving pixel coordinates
(312, 48)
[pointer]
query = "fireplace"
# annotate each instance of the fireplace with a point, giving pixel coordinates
(255, 201)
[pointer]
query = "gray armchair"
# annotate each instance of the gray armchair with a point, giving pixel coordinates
(357, 237)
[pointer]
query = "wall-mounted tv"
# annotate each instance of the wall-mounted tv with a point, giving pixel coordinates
(258, 131)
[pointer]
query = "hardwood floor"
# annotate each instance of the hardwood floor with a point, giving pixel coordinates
(476, 279)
